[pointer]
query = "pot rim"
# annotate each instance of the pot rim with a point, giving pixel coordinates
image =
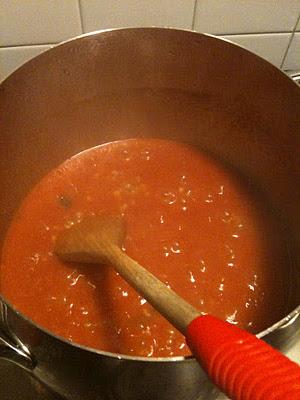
(154, 28)
(282, 323)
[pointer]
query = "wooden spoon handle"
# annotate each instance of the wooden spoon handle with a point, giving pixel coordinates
(176, 310)
(233, 358)
(240, 364)
(97, 239)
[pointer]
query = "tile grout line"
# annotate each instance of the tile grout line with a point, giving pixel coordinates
(194, 14)
(80, 15)
(290, 43)
(249, 33)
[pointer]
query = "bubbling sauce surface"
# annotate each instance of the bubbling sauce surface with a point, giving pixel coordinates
(189, 221)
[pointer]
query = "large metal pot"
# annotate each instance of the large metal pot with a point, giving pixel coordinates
(145, 82)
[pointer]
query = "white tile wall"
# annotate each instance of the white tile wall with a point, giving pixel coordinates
(12, 57)
(246, 16)
(270, 46)
(292, 61)
(38, 21)
(266, 27)
(117, 13)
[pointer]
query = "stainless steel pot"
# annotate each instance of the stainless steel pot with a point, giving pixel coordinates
(145, 82)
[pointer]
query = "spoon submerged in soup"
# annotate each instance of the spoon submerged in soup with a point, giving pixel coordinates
(231, 356)
(197, 225)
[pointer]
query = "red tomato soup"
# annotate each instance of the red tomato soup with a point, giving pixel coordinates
(189, 221)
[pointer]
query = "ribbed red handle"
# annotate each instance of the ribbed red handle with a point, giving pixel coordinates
(241, 365)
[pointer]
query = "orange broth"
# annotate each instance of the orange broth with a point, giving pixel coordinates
(189, 220)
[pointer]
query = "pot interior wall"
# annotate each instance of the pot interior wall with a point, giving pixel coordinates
(158, 83)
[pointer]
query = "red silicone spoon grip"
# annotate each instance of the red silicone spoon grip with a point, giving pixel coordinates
(241, 365)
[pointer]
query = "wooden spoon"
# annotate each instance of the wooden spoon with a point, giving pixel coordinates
(240, 364)
(98, 239)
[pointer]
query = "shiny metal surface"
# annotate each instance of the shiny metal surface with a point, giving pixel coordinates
(75, 373)
(296, 77)
(147, 82)
(13, 349)
(16, 384)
